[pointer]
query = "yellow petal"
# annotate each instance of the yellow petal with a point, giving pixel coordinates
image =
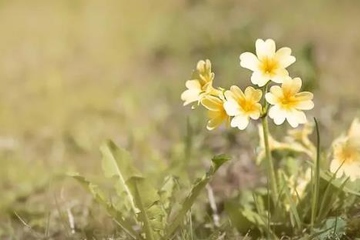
(240, 121)
(237, 93)
(291, 86)
(305, 105)
(259, 78)
(214, 123)
(212, 103)
(253, 94)
(284, 58)
(265, 48)
(270, 98)
(280, 75)
(277, 92)
(249, 60)
(193, 84)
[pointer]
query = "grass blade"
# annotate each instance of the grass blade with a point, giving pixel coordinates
(316, 178)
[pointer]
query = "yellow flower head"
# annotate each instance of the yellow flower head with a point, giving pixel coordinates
(346, 153)
(216, 112)
(297, 186)
(204, 70)
(302, 134)
(354, 131)
(268, 64)
(242, 105)
(294, 142)
(289, 102)
(200, 86)
(299, 139)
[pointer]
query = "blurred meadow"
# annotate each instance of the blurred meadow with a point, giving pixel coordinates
(74, 73)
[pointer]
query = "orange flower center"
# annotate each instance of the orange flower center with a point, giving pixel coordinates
(247, 105)
(269, 65)
(346, 153)
(288, 101)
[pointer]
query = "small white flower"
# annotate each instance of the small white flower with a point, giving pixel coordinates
(216, 112)
(346, 153)
(200, 86)
(288, 102)
(268, 64)
(242, 106)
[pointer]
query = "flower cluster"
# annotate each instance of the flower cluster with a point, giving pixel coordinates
(236, 107)
(346, 153)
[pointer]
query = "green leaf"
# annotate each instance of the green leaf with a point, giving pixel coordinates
(99, 196)
(117, 163)
(147, 200)
(198, 186)
(338, 182)
(167, 192)
(113, 158)
(330, 196)
(315, 179)
(246, 219)
(237, 218)
(333, 228)
(219, 160)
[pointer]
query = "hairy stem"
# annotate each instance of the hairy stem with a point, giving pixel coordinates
(269, 161)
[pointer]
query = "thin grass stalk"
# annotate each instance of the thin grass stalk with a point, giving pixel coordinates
(316, 178)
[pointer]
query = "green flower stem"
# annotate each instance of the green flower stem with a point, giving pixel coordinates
(270, 165)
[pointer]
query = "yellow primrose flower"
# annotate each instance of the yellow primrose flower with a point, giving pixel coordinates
(267, 64)
(297, 186)
(242, 106)
(346, 153)
(289, 102)
(200, 86)
(216, 112)
(354, 131)
(289, 144)
(301, 136)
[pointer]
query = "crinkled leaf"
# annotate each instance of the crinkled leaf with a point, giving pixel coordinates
(117, 164)
(333, 228)
(147, 201)
(248, 214)
(167, 192)
(244, 219)
(99, 196)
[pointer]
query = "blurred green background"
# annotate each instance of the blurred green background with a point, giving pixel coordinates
(74, 73)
